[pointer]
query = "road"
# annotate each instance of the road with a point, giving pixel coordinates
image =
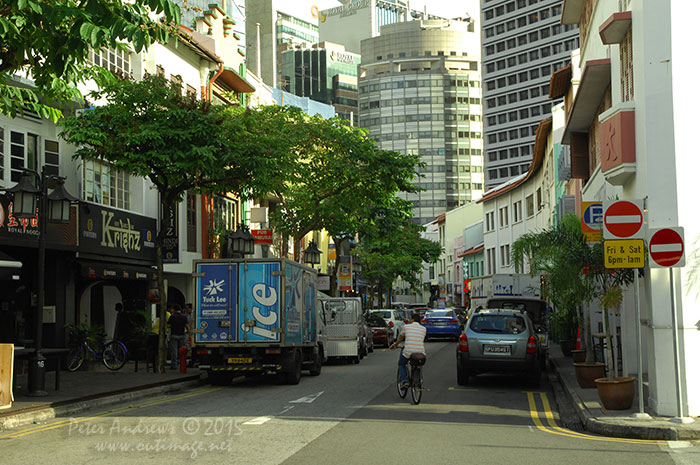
(350, 414)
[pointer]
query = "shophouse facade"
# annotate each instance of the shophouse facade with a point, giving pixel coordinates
(631, 109)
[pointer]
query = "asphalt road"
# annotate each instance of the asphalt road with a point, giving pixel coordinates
(350, 414)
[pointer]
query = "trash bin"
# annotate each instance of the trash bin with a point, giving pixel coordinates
(7, 357)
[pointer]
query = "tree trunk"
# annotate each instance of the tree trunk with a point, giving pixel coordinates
(586, 334)
(608, 342)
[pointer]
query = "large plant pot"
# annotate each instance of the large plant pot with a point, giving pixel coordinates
(616, 394)
(587, 373)
(579, 356)
(567, 345)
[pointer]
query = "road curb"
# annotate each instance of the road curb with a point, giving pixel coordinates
(616, 428)
(46, 412)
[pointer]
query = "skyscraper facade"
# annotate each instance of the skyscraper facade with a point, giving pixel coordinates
(420, 92)
(325, 73)
(523, 44)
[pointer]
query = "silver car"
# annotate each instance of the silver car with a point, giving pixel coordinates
(499, 340)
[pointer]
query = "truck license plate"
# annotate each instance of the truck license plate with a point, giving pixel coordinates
(497, 349)
(240, 360)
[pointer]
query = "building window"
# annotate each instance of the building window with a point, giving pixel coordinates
(491, 260)
(224, 214)
(517, 211)
(490, 224)
(503, 216)
(105, 185)
(540, 205)
(51, 157)
(529, 206)
(117, 61)
(505, 255)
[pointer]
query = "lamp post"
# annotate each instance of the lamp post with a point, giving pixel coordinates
(54, 207)
(312, 255)
(240, 242)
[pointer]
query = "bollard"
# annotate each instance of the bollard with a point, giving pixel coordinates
(182, 353)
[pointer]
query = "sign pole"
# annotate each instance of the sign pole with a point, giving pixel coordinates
(676, 364)
(640, 370)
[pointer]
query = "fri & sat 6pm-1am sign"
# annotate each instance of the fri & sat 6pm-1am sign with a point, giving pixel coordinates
(624, 253)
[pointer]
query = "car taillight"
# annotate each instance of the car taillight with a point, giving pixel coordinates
(391, 324)
(463, 343)
(405, 321)
(531, 345)
(204, 351)
(453, 322)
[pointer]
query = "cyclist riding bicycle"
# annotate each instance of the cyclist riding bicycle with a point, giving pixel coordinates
(414, 335)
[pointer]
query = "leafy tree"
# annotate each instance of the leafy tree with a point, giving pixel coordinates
(51, 41)
(340, 173)
(180, 144)
(391, 246)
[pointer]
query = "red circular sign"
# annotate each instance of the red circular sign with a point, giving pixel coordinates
(666, 247)
(623, 219)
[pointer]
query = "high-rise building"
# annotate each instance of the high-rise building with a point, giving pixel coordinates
(281, 24)
(420, 92)
(325, 73)
(354, 21)
(523, 44)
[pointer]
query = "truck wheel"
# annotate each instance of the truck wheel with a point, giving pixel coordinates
(355, 359)
(462, 375)
(294, 376)
(217, 378)
(316, 368)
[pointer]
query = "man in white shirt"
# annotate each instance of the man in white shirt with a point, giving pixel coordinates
(414, 335)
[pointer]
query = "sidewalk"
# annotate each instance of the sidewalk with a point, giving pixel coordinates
(618, 423)
(83, 390)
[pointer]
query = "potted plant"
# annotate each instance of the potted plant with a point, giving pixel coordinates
(560, 253)
(615, 392)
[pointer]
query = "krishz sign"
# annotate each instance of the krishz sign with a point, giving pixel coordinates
(107, 231)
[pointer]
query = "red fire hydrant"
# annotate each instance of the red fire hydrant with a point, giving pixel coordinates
(182, 353)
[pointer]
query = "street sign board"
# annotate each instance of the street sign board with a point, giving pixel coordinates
(592, 220)
(624, 253)
(666, 247)
(623, 219)
(262, 236)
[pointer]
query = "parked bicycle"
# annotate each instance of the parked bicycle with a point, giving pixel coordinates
(112, 353)
(415, 378)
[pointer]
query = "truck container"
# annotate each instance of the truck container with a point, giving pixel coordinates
(256, 316)
(344, 327)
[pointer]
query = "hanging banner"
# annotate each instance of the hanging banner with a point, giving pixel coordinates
(171, 244)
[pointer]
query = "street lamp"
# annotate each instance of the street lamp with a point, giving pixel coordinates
(312, 255)
(241, 241)
(54, 207)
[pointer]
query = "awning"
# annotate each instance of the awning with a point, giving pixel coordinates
(595, 80)
(235, 81)
(614, 29)
(9, 267)
(560, 82)
(104, 270)
(571, 11)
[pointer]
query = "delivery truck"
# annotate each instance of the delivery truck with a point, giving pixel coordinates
(254, 317)
(345, 327)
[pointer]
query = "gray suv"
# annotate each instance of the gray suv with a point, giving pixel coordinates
(499, 340)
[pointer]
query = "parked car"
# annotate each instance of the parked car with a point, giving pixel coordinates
(393, 318)
(368, 340)
(535, 308)
(499, 340)
(420, 309)
(441, 323)
(381, 333)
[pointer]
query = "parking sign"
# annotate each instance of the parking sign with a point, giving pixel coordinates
(592, 220)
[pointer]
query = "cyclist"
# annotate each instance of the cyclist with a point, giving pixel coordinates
(414, 335)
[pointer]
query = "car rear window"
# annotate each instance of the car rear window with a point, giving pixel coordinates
(386, 314)
(497, 324)
(376, 321)
(439, 314)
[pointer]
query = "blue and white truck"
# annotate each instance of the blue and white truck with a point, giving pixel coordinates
(256, 316)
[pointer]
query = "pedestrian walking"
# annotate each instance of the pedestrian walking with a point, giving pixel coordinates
(179, 329)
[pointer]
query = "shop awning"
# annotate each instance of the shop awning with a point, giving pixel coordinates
(595, 80)
(235, 81)
(9, 267)
(104, 270)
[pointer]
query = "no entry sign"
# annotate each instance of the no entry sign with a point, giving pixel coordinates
(623, 219)
(666, 247)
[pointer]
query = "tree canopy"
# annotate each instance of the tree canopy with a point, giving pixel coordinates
(50, 41)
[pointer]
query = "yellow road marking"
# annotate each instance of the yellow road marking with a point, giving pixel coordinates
(59, 424)
(555, 429)
(461, 389)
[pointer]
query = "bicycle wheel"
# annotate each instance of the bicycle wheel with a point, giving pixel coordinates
(402, 391)
(114, 355)
(416, 385)
(75, 359)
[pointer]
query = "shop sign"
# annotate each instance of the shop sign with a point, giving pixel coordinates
(27, 229)
(171, 243)
(262, 236)
(106, 231)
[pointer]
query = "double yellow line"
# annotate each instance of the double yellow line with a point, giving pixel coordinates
(107, 413)
(554, 429)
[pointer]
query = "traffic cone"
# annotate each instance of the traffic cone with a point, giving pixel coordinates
(578, 339)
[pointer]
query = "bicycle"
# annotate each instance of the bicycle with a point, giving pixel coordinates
(112, 353)
(415, 378)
